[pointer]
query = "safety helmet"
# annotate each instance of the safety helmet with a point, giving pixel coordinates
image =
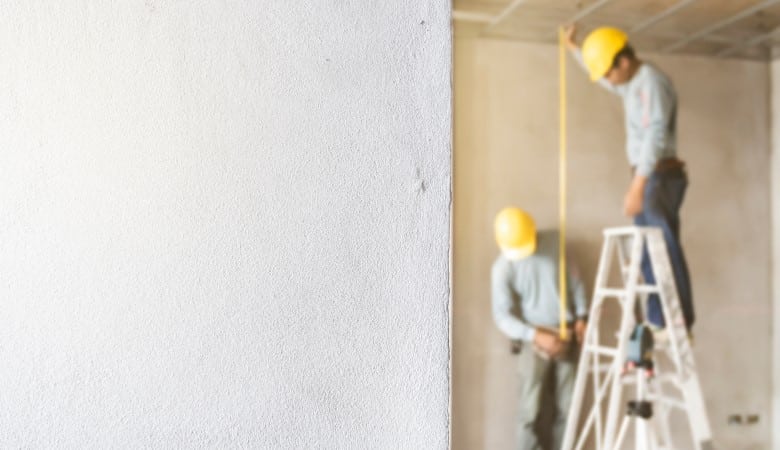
(515, 232)
(600, 48)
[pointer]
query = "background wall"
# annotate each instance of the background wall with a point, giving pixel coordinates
(506, 150)
(224, 224)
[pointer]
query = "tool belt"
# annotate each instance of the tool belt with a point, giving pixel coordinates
(665, 165)
(668, 164)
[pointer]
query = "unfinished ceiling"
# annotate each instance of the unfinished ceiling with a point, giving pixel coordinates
(719, 28)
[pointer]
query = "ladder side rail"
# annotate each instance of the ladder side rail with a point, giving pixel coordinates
(591, 339)
(598, 397)
(682, 353)
(623, 335)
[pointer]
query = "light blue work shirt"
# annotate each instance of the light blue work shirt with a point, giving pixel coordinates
(650, 105)
(534, 282)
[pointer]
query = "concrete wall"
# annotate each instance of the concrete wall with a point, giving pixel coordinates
(224, 224)
(506, 149)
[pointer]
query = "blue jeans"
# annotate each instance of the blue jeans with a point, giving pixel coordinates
(663, 197)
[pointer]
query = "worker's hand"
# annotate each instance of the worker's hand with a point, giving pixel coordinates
(579, 330)
(549, 343)
(632, 204)
(570, 34)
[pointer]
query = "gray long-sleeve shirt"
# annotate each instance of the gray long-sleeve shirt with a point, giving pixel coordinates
(650, 104)
(534, 280)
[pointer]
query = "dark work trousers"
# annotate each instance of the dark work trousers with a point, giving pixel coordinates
(663, 197)
(535, 372)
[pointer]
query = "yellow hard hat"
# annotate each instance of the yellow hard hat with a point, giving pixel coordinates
(600, 48)
(515, 231)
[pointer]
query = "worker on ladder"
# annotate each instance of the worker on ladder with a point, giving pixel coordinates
(527, 270)
(659, 179)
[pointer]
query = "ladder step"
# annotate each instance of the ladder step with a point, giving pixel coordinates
(647, 289)
(673, 402)
(610, 292)
(605, 351)
(616, 292)
(620, 231)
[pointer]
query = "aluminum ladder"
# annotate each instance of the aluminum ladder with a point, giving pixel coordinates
(672, 386)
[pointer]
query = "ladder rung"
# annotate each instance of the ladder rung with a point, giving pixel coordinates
(610, 292)
(606, 351)
(617, 292)
(621, 231)
(673, 402)
(669, 378)
(647, 289)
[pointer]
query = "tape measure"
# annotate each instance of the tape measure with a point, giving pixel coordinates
(562, 287)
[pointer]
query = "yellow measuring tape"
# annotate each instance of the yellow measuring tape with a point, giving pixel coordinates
(562, 288)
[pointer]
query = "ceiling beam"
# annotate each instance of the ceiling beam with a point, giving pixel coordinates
(468, 16)
(585, 12)
(720, 24)
(503, 14)
(665, 14)
(748, 43)
(589, 10)
(670, 35)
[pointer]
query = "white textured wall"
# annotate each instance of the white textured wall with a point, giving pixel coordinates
(506, 151)
(224, 224)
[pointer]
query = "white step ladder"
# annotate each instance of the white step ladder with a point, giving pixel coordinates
(668, 387)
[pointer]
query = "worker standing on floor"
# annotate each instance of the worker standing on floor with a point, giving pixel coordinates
(659, 179)
(527, 270)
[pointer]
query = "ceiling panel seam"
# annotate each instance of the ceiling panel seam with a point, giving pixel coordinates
(665, 14)
(506, 12)
(748, 43)
(721, 24)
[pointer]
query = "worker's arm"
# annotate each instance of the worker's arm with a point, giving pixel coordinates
(502, 302)
(656, 117)
(634, 199)
(570, 32)
(577, 289)
(577, 53)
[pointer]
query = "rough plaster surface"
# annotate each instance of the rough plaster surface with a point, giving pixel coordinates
(506, 149)
(224, 224)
